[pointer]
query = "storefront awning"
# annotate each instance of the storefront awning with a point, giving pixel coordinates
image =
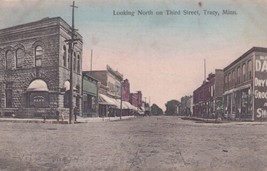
(37, 85)
(236, 89)
(130, 106)
(105, 100)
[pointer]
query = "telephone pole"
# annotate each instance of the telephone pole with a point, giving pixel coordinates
(71, 43)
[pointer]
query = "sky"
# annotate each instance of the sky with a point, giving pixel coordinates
(161, 55)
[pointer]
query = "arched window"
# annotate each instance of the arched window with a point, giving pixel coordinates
(19, 58)
(38, 56)
(69, 54)
(74, 62)
(78, 64)
(238, 75)
(244, 72)
(9, 57)
(64, 56)
(249, 69)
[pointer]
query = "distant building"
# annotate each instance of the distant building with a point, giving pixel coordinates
(126, 90)
(245, 86)
(208, 95)
(35, 69)
(185, 106)
(136, 99)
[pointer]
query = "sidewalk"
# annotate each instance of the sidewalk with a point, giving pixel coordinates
(230, 122)
(54, 121)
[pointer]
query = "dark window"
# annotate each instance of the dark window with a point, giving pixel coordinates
(19, 58)
(238, 75)
(244, 72)
(69, 55)
(64, 56)
(38, 56)
(74, 62)
(9, 57)
(78, 64)
(249, 69)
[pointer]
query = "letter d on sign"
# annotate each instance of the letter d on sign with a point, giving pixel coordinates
(258, 65)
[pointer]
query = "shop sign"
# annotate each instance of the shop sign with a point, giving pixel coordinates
(260, 88)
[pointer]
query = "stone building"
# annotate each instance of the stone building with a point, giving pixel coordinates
(35, 69)
(208, 95)
(245, 86)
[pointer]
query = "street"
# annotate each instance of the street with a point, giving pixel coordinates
(143, 143)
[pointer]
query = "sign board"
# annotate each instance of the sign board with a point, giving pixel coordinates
(260, 90)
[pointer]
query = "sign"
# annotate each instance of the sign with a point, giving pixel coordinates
(260, 90)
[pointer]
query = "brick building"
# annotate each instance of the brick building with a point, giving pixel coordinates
(109, 90)
(136, 99)
(208, 95)
(34, 69)
(126, 90)
(245, 86)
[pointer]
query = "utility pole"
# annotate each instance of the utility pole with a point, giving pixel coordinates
(71, 43)
(91, 60)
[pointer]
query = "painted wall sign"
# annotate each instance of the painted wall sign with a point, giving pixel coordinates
(260, 91)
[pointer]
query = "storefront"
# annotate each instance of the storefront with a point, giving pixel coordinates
(90, 96)
(238, 103)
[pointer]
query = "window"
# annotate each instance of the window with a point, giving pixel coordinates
(74, 62)
(233, 77)
(9, 57)
(9, 95)
(38, 56)
(238, 75)
(78, 64)
(249, 69)
(19, 58)
(244, 72)
(69, 55)
(230, 79)
(64, 56)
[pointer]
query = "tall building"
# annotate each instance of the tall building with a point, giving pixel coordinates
(245, 86)
(35, 69)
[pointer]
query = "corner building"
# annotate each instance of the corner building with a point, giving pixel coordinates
(35, 69)
(245, 88)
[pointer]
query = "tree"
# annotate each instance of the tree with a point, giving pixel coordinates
(156, 110)
(172, 107)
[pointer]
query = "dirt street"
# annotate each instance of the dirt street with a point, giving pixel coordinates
(145, 143)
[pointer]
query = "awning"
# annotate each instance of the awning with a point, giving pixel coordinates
(130, 106)
(105, 100)
(124, 105)
(236, 89)
(37, 85)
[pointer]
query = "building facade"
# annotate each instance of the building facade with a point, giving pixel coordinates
(245, 86)
(136, 99)
(109, 91)
(90, 96)
(126, 90)
(207, 97)
(35, 69)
